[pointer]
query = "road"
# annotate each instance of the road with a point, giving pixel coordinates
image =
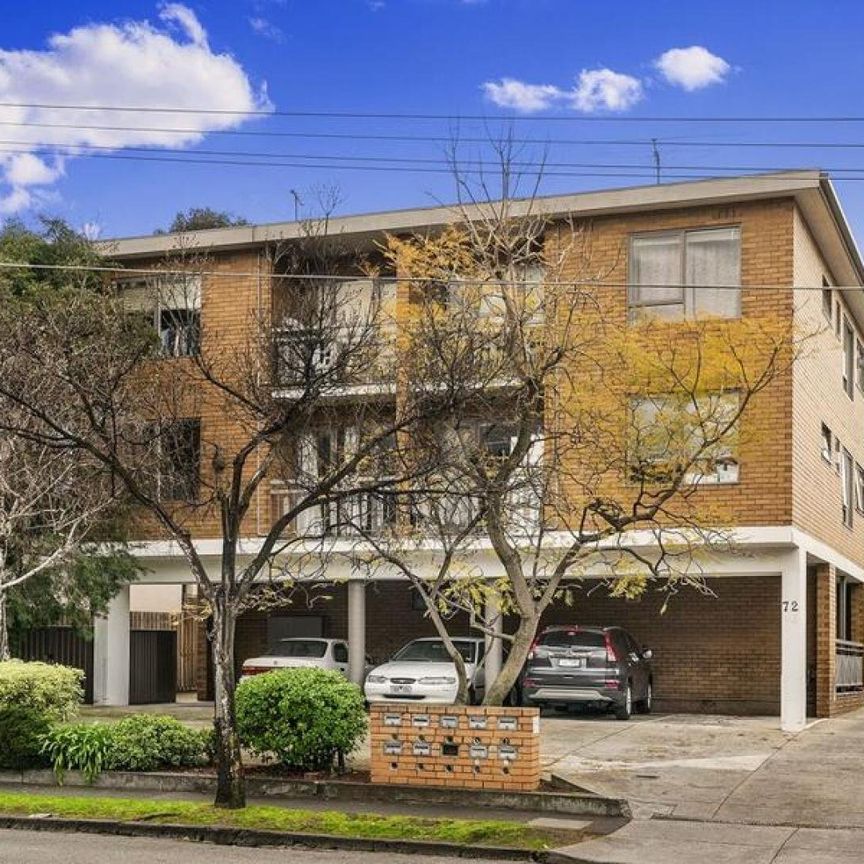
(35, 847)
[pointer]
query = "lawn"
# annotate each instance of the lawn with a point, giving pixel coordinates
(481, 832)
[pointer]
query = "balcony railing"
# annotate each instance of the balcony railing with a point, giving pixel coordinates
(849, 667)
(350, 516)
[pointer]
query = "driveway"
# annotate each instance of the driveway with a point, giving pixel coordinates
(725, 769)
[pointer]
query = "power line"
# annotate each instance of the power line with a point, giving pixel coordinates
(434, 139)
(404, 115)
(585, 283)
(638, 172)
(43, 147)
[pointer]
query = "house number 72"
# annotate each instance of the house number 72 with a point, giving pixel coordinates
(790, 605)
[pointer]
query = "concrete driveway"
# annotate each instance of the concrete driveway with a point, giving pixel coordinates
(725, 769)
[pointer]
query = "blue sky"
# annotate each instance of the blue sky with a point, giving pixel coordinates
(589, 63)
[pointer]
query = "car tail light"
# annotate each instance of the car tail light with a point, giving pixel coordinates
(532, 651)
(612, 685)
(254, 670)
(611, 653)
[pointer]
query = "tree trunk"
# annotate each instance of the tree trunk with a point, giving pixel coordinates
(5, 654)
(230, 782)
(497, 690)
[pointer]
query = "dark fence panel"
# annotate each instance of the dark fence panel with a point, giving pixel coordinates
(58, 645)
(152, 666)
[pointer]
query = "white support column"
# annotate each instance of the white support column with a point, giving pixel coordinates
(494, 647)
(357, 630)
(111, 653)
(793, 642)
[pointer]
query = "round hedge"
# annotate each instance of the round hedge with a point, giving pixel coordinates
(22, 732)
(302, 718)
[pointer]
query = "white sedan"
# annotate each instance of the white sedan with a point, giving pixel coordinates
(422, 671)
(297, 653)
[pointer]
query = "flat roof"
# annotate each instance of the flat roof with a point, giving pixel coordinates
(811, 188)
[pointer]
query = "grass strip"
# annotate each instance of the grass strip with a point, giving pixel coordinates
(468, 832)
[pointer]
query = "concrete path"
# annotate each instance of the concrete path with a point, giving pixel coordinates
(682, 765)
(716, 768)
(661, 841)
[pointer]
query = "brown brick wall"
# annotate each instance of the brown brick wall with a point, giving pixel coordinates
(467, 747)
(717, 654)
(819, 397)
(763, 495)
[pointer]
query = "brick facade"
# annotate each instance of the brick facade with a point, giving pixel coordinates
(468, 747)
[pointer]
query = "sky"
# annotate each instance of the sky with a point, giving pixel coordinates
(582, 87)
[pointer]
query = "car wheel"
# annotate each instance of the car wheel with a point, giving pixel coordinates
(647, 704)
(625, 709)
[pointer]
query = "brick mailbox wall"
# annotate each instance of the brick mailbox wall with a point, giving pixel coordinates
(468, 747)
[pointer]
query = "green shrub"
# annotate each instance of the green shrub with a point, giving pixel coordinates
(301, 717)
(81, 747)
(22, 732)
(148, 742)
(52, 689)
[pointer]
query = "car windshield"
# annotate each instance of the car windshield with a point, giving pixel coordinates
(573, 639)
(313, 648)
(433, 651)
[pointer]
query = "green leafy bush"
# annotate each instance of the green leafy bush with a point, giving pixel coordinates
(148, 742)
(22, 732)
(301, 717)
(52, 689)
(81, 747)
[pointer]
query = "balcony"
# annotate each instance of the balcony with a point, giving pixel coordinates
(334, 361)
(848, 667)
(352, 516)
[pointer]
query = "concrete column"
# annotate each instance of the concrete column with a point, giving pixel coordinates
(826, 634)
(494, 647)
(793, 642)
(357, 630)
(111, 653)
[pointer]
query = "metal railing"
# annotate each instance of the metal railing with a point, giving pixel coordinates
(849, 666)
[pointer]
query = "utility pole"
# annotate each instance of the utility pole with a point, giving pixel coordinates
(655, 151)
(298, 201)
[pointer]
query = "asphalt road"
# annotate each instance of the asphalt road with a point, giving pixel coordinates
(35, 847)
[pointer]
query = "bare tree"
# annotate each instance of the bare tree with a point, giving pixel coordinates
(577, 442)
(50, 506)
(283, 384)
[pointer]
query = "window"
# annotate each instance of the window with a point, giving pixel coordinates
(179, 332)
(180, 458)
(172, 306)
(859, 353)
(340, 652)
(827, 299)
(669, 434)
(844, 604)
(859, 489)
(686, 273)
(847, 485)
(848, 358)
(827, 444)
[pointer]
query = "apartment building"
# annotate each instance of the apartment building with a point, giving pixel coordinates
(781, 632)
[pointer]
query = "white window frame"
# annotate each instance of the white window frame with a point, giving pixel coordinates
(849, 360)
(827, 449)
(688, 292)
(847, 486)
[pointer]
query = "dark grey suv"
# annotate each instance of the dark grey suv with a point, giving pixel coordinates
(600, 666)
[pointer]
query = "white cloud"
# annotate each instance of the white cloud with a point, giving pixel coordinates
(266, 29)
(595, 90)
(692, 68)
(91, 230)
(519, 96)
(598, 89)
(186, 19)
(136, 64)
